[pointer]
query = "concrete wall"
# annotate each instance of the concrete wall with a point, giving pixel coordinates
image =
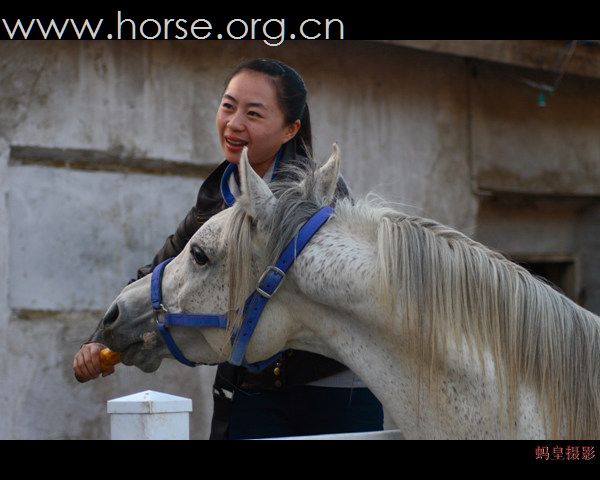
(538, 169)
(71, 238)
(588, 245)
(519, 147)
(548, 230)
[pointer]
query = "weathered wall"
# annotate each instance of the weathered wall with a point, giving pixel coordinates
(5, 401)
(549, 230)
(542, 167)
(519, 147)
(71, 238)
(588, 247)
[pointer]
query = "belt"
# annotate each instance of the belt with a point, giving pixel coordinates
(293, 368)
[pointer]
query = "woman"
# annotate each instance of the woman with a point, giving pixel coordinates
(264, 108)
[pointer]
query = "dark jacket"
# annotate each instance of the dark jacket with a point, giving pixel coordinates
(208, 203)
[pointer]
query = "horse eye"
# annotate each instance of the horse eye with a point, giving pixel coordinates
(199, 255)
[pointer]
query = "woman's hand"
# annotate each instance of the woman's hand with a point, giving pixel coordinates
(86, 364)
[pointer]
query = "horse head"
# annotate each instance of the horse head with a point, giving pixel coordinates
(215, 272)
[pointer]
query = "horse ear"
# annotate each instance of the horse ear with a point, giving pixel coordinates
(256, 196)
(327, 175)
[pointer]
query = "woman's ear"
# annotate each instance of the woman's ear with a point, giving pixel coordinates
(291, 130)
(256, 197)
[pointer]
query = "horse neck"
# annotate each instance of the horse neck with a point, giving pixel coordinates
(462, 406)
(338, 271)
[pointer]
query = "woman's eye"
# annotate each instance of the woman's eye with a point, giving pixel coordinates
(199, 255)
(254, 114)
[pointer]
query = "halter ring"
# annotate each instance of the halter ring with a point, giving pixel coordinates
(157, 311)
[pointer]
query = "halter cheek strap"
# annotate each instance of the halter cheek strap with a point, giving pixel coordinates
(267, 286)
(271, 280)
(168, 319)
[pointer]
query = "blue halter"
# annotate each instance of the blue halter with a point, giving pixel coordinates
(267, 286)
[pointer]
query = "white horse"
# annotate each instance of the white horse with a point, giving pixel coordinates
(455, 340)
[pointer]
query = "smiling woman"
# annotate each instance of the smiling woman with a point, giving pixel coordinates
(263, 108)
(249, 115)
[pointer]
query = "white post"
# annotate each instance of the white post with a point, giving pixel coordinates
(150, 415)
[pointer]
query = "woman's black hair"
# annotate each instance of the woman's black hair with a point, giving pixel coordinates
(291, 94)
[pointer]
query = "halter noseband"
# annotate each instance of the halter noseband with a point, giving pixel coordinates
(267, 286)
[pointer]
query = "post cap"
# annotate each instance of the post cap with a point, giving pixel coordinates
(149, 401)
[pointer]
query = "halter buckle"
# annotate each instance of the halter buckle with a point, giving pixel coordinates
(279, 272)
(157, 312)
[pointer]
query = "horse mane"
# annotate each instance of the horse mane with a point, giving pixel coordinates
(237, 236)
(437, 284)
(297, 202)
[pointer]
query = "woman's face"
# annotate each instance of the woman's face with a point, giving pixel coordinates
(249, 114)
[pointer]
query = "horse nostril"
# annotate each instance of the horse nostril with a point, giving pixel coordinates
(111, 315)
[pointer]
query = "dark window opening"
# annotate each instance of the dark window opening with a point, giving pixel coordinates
(559, 273)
